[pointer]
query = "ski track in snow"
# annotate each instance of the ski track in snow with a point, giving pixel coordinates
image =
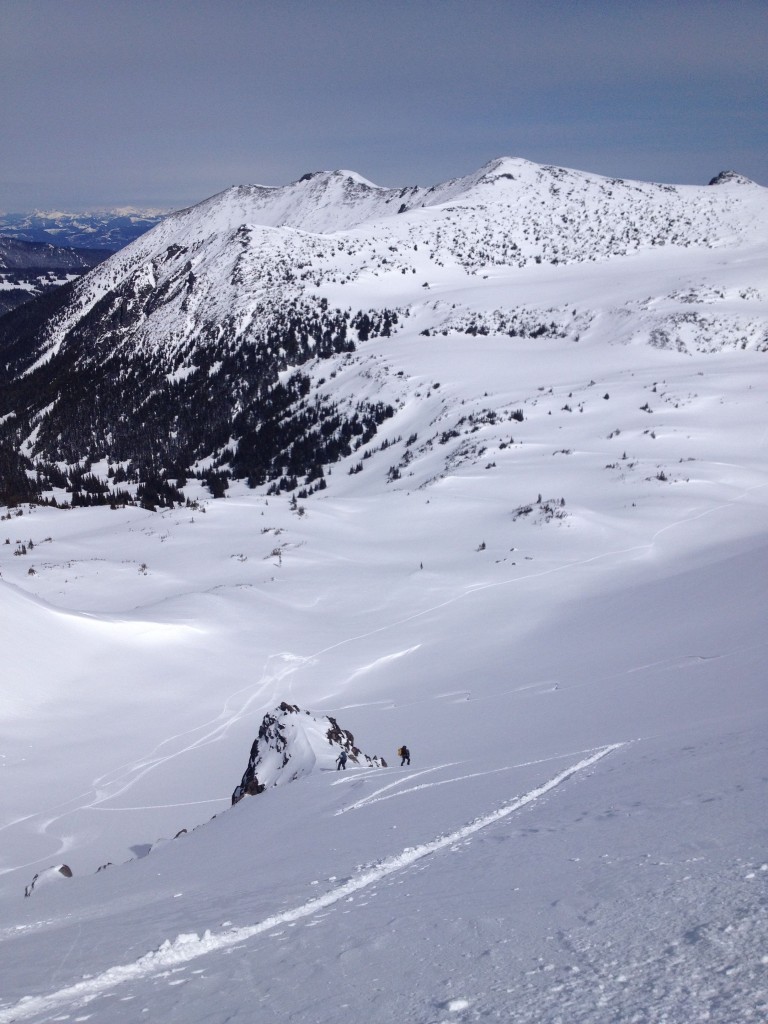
(398, 782)
(189, 947)
(376, 797)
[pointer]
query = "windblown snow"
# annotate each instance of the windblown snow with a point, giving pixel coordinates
(545, 574)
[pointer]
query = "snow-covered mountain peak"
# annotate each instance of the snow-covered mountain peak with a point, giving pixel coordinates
(359, 179)
(509, 166)
(341, 173)
(319, 202)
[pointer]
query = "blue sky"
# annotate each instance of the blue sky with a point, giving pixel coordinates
(164, 102)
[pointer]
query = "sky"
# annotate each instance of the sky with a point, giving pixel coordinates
(166, 102)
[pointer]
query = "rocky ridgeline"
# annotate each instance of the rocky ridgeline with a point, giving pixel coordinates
(292, 743)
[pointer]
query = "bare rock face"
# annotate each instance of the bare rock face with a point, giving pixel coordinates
(53, 874)
(292, 743)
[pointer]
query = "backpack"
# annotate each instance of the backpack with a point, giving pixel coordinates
(401, 751)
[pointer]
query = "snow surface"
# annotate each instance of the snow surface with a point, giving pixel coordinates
(564, 617)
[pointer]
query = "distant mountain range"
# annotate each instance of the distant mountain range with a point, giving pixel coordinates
(108, 230)
(212, 345)
(40, 251)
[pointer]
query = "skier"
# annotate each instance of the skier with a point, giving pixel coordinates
(341, 761)
(404, 754)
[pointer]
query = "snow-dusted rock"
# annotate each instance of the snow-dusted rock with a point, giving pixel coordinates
(732, 178)
(292, 743)
(52, 874)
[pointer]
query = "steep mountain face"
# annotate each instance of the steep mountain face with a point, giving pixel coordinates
(107, 230)
(30, 269)
(209, 347)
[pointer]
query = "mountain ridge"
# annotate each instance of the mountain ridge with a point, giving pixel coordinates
(215, 305)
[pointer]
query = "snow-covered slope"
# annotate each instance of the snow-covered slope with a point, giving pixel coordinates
(523, 863)
(544, 572)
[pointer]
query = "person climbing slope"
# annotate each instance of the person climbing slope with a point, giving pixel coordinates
(404, 754)
(341, 761)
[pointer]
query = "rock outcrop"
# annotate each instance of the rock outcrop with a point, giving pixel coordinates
(292, 743)
(53, 874)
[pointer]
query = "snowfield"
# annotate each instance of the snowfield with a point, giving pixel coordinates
(546, 574)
